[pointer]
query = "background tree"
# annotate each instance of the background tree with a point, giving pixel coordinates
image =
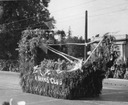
(15, 17)
(75, 50)
(62, 35)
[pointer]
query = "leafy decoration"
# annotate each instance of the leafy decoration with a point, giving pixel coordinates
(40, 76)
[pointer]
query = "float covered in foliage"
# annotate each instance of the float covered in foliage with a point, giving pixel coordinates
(60, 78)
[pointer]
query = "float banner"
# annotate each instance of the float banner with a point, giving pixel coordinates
(48, 80)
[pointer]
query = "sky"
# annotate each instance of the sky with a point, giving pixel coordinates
(103, 16)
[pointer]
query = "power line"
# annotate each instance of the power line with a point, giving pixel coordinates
(59, 18)
(24, 27)
(121, 10)
(26, 18)
(28, 27)
(78, 17)
(18, 21)
(36, 17)
(64, 18)
(113, 6)
(32, 18)
(67, 19)
(92, 15)
(110, 7)
(83, 3)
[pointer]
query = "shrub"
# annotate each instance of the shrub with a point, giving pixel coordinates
(9, 65)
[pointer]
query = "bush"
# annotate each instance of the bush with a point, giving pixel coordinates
(9, 65)
(49, 77)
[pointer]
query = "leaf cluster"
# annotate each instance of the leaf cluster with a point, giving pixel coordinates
(16, 16)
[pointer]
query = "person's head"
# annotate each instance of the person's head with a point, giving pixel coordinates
(5, 103)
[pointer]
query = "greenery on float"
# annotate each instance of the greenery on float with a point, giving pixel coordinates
(86, 82)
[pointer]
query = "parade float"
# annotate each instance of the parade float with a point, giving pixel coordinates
(67, 78)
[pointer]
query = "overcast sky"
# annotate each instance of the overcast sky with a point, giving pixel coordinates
(104, 16)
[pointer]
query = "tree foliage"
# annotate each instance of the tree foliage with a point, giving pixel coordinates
(18, 15)
(75, 50)
(62, 36)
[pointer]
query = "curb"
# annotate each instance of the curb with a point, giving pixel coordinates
(116, 82)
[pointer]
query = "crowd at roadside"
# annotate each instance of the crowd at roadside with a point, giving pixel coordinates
(118, 70)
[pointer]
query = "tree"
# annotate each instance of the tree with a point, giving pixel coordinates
(18, 15)
(75, 50)
(69, 32)
(62, 35)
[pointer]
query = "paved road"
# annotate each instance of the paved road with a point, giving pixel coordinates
(115, 92)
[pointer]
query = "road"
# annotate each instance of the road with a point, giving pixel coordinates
(115, 92)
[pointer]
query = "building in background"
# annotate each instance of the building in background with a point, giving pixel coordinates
(122, 45)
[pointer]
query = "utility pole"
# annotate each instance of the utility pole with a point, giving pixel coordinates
(86, 34)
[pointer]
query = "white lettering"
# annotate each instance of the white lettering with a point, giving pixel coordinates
(48, 80)
(52, 80)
